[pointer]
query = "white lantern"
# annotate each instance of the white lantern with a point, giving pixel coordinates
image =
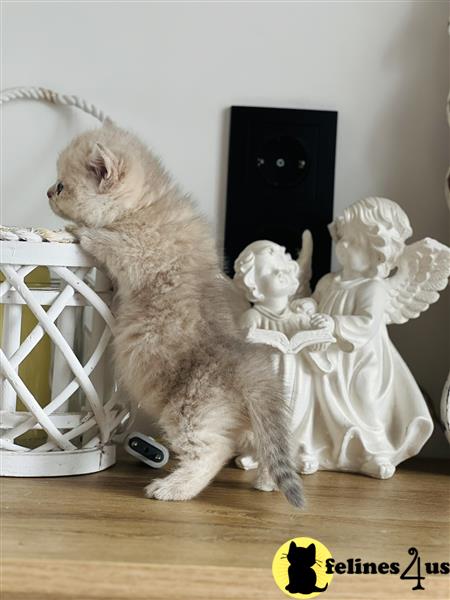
(78, 420)
(78, 426)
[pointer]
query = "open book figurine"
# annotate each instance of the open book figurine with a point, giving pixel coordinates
(298, 342)
(275, 283)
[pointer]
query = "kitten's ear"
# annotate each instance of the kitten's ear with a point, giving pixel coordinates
(105, 165)
(312, 549)
(293, 546)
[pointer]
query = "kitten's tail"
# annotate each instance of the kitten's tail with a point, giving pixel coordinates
(267, 412)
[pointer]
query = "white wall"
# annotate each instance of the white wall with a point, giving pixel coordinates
(170, 71)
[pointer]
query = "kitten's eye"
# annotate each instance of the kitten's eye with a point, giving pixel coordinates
(59, 188)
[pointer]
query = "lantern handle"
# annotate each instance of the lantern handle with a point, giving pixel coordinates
(40, 93)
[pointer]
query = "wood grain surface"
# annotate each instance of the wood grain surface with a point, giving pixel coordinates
(97, 537)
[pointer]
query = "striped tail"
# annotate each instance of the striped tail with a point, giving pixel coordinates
(268, 417)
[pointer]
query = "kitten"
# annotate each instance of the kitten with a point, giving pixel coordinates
(177, 349)
(302, 577)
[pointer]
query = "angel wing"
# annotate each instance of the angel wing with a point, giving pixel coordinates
(423, 271)
(304, 262)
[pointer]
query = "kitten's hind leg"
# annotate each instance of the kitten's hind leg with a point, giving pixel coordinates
(200, 425)
(199, 464)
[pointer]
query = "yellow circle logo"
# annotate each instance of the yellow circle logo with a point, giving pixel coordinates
(299, 568)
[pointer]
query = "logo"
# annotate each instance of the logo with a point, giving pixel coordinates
(303, 568)
(299, 568)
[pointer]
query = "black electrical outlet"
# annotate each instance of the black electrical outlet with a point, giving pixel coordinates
(280, 180)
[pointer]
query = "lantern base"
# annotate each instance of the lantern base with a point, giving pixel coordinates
(58, 463)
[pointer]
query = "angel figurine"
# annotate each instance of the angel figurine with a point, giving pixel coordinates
(274, 283)
(368, 414)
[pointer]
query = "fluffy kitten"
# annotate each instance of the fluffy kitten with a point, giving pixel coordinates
(177, 349)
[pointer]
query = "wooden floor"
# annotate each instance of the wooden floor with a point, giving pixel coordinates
(96, 536)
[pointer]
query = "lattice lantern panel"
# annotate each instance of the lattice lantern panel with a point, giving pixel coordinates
(68, 429)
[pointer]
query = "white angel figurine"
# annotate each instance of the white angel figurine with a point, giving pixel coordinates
(271, 280)
(368, 414)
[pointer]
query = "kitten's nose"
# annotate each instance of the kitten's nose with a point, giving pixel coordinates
(50, 192)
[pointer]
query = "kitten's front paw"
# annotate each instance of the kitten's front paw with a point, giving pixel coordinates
(72, 229)
(87, 240)
(81, 233)
(167, 489)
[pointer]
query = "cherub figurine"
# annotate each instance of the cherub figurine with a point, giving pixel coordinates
(270, 279)
(368, 414)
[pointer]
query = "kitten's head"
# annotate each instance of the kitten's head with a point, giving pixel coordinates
(304, 556)
(103, 175)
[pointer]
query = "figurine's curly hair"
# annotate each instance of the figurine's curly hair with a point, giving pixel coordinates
(385, 225)
(244, 267)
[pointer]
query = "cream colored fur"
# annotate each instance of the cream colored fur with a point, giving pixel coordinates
(177, 350)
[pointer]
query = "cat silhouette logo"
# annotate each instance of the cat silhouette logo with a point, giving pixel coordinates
(299, 568)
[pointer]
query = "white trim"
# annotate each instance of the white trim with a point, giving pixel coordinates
(54, 464)
(44, 254)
